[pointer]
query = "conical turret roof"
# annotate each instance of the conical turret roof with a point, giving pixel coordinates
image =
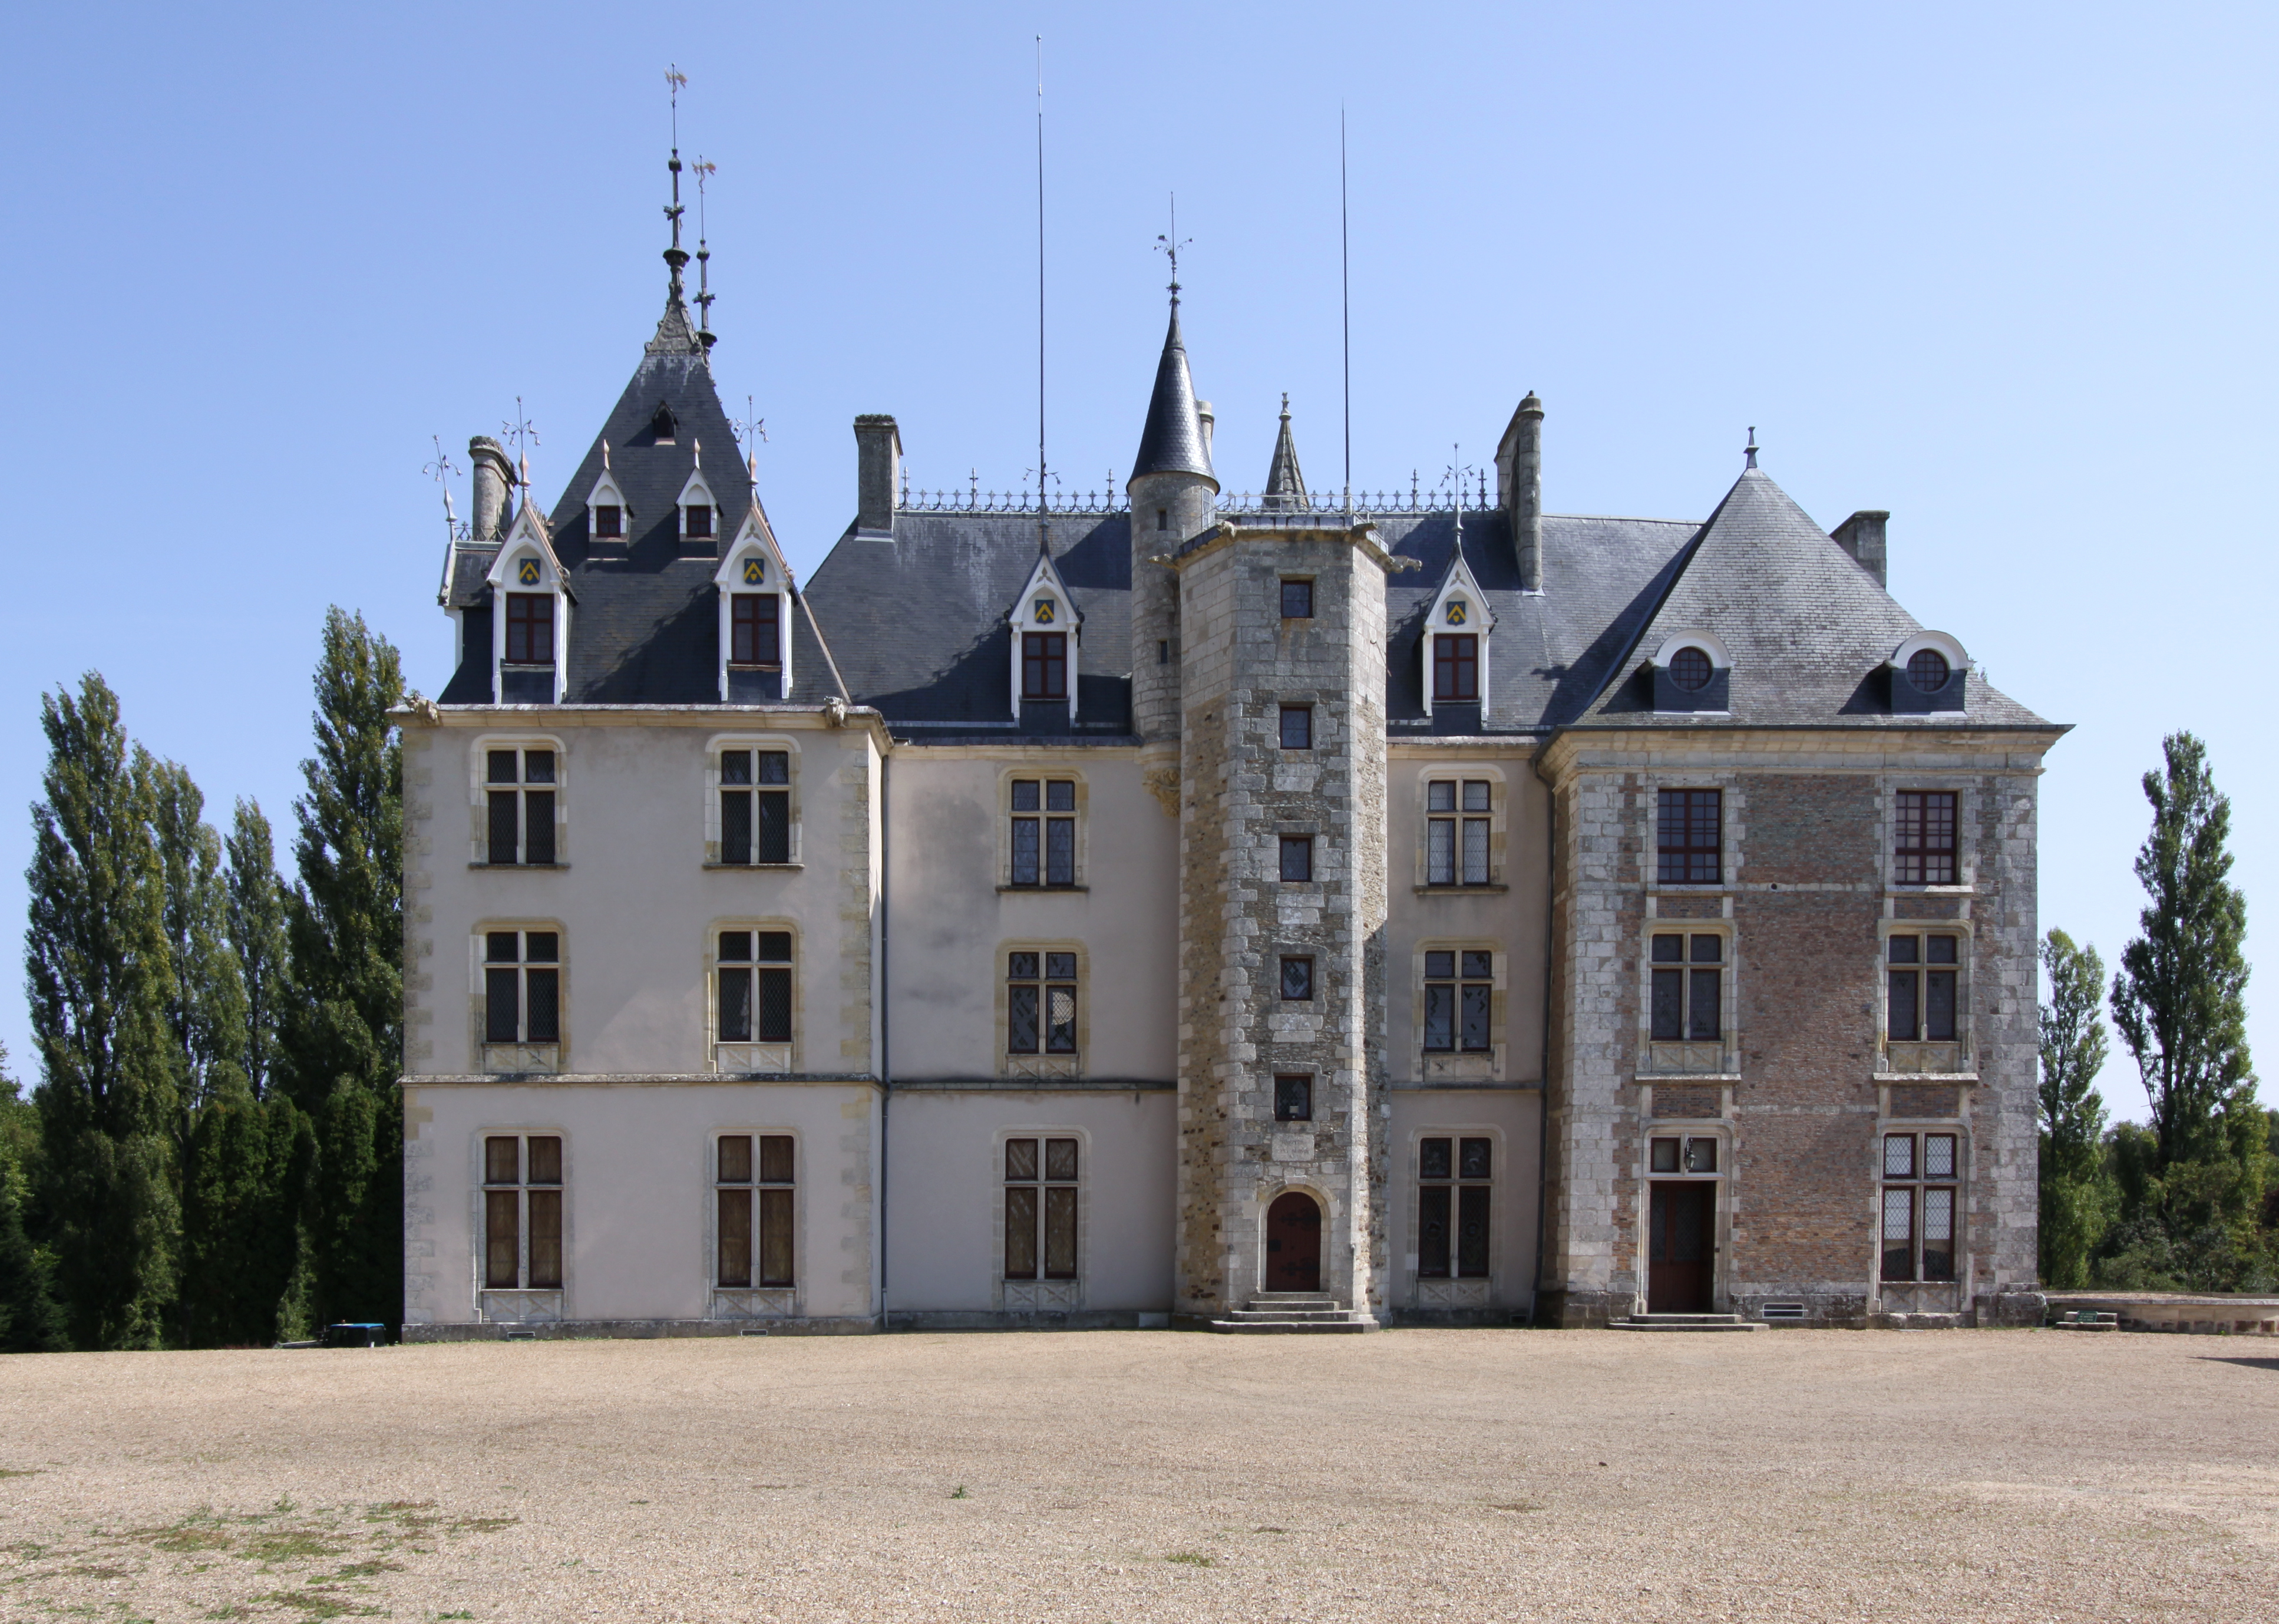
(1172, 442)
(1285, 486)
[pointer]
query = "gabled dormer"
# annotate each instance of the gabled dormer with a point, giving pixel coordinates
(755, 609)
(699, 512)
(609, 517)
(530, 615)
(1455, 644)
(1046, 627)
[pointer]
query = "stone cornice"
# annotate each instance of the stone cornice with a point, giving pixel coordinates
(1798, 748)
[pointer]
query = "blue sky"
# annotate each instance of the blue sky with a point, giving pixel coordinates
(2005, 271)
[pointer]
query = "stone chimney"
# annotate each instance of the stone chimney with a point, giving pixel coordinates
(878, 472)
(1519, 489)
(1863, 536)
(494, 477)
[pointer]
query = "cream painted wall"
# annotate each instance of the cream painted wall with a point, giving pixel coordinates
(950, 921)
(1517, 920)
(637, 1182)
(1513, 1117)
(945, 1181)
(634, 902)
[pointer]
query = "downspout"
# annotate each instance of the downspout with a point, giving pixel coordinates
(885, 1017)
(1550, 969)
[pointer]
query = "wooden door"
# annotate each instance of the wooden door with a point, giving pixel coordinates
(1681, 1248)
(1293, 1243)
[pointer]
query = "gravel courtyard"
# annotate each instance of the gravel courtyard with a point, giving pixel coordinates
(1411, 1475)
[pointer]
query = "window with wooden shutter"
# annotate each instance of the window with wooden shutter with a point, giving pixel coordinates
(1041, 1209)
(753, 1189)
(522, 1212)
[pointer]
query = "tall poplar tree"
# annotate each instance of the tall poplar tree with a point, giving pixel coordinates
(344, 1033)
(31, 1321)
(256, 923)
(2180, 1003)
(99, 981)
(2076, 1192)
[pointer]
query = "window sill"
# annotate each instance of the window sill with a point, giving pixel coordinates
(541, 867)
(1912, 1077)
(736, 666)
(1686, 1077)
(522, 1059)
(1037, 890)
(1461, 890)
(741, 867)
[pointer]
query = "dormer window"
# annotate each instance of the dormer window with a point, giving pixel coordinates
(754, 628)
(1047, 625)
(1692, 673)
(529, 628)
(661, 427)
(1456, 666)
(608, 522)
(696, 521)
(1044, 666)
(1928, 670)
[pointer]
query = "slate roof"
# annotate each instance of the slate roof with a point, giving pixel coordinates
(917, 620)
(1173, 442)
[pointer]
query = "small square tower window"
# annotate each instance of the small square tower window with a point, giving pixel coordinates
(1297, 600)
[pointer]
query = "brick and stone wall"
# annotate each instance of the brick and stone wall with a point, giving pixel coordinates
(1806, 899)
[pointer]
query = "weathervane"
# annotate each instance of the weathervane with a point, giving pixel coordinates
(1171, 243)
(523, 434)
(440, 471)
(675, 80)
(704, 167)
(750, 429)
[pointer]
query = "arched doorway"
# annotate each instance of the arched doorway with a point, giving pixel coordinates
(1293, 1243)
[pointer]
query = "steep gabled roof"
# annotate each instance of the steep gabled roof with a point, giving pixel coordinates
(1809, 629)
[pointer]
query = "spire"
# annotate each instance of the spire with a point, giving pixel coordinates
(675, 333)
(1172, 442)
(1286, 487)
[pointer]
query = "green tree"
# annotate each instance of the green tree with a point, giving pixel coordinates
(2077, 1196)
(242, 1182)
(31, 1320)
(2179, 1001)
(342, 1035)
(207, 1013)
(256, 902)
(99, 981)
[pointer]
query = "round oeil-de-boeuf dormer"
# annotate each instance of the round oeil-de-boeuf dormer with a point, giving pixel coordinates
(1929, 672)
(1692, 673)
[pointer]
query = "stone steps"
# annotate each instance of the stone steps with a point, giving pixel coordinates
(1684, 1322)
(1293, 1313)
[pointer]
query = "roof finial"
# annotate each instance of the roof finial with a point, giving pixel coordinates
(1285, 405)
(676, 256)
(751, 428)
(524, 435)
(1456, 472)
(440, 471)
(605, 457)
(1171, 245)
(1752, 447)
(703, 166)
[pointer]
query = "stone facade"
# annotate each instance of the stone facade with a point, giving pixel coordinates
(1243, 796)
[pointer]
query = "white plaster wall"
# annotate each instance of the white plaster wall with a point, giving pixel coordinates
(1517, 920)
(637, 1182)
(1513, 1117)
(634, 901)
(948, 917)
(945, 1187)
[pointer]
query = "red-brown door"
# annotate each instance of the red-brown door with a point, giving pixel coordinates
(1681, 1248)
(1293, 1243)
